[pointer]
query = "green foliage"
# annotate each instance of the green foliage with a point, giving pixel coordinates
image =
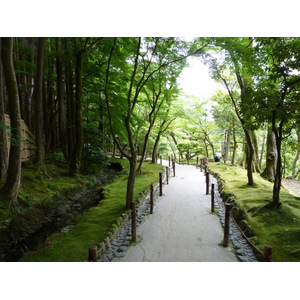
(92, 228)
(278, 228)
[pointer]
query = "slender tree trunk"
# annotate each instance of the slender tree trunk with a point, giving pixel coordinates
(249, 158)
(60, 98)
(145, 147)
(155, 147)
(235, 146)
(296, 158)
(75, 161)
(38, 95)
(3, 143)
(278, 176)
(263, 147)
(12, 185)
(271, 157)
(227, 145)
(131, 181)
(70, 108)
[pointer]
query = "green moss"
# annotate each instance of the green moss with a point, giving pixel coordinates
(276, 227)
(92, 227)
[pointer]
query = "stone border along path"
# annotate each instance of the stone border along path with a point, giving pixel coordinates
(182, 227)
(243, 250)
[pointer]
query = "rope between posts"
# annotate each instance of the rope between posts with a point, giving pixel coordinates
(244, 235)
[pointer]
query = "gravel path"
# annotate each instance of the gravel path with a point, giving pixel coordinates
(182, 229)
(292, 185)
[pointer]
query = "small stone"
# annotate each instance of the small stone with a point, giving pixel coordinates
(243, 258)
(123, 248)
(120, 254)
(115, 259)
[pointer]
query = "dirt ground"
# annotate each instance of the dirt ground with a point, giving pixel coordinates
(292, 185)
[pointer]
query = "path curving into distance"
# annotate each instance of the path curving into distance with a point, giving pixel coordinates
(182, 228)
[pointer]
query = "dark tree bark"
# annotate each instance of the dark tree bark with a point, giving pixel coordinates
(278, 175)
(12, 185)
(60, 100)
(38, 96)
(70, 99)
(75, 160)
(3, 143)
(235, 146)
(155, 147)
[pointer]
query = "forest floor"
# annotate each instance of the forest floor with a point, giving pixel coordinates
(292, 185)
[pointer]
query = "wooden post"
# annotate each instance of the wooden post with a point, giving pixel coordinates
(167, 174)
(160, 159)
(151, 199)
(133, 222)
(93, 254)
(197, 161)
(173, 168)
(268, 253)
(212, 197)
(160, 183)
(207, 183)
(228, 207)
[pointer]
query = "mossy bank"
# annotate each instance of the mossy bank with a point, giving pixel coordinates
(92, 227)
(276, 227)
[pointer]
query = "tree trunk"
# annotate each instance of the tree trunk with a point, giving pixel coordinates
(278, 176)
(12, 185)
(38, 96)
(3, 143)
(271, 157)
(131, 181)
(60, 99)
(227, 145)
(235, 146)
(296, 158)
(254, 141)
(75, 161)
(262, 147)
(70, 107)
(249, 158)
(155, 147)
(145, 147)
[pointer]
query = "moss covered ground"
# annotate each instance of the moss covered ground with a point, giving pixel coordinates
(92, 227)
(279, 228)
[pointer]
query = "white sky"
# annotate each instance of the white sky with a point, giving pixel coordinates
(195, 80)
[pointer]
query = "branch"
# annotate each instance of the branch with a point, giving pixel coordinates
(107, 101)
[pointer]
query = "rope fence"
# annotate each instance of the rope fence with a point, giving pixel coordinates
(267, 254)
(95, 252)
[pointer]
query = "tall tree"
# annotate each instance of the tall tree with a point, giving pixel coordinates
(38, 96)
(60, 99)
(3, 143)
(12, 185)
(146, 57)
(278, 93)
(236, 55)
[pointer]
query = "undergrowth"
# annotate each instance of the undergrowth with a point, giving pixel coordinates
(276, 227)
(92, 227)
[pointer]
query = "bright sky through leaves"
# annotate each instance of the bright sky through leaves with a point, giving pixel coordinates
(195, 80)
